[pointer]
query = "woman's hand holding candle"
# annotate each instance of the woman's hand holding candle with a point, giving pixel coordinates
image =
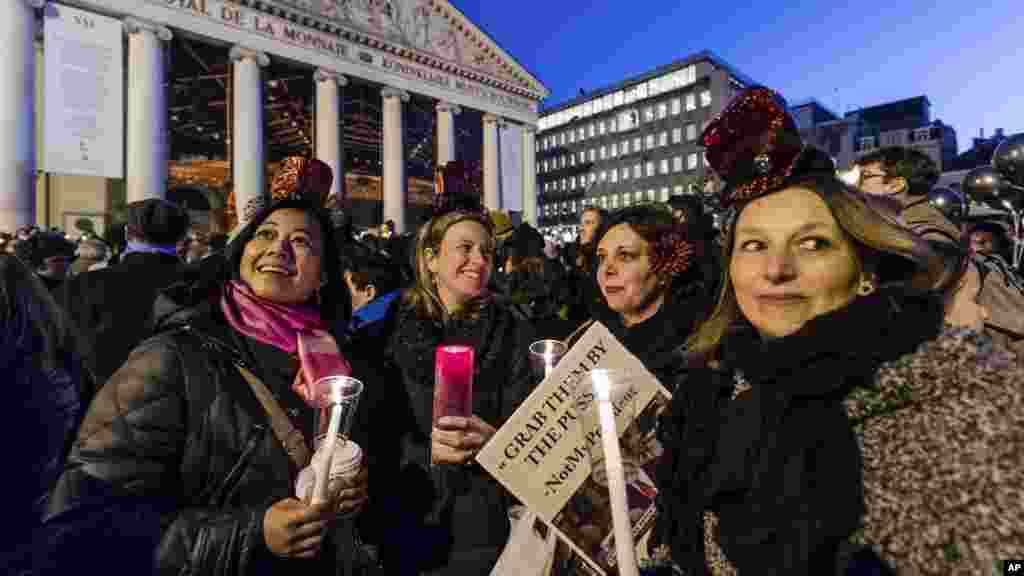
(352, 498)
(456, 440)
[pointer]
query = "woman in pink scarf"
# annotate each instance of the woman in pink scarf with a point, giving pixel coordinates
(178, 436)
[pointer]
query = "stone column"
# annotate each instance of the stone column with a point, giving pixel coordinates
(248, 166)
(17, 114)
(328, 129)
(394, 157)
(146, 145)
(529, 175)
(492, 175)
(446, 132)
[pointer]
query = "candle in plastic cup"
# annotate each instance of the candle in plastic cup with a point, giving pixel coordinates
(453, 382)
(337, 398)
(545, 354)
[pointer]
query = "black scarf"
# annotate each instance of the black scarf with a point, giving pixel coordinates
(782, 466)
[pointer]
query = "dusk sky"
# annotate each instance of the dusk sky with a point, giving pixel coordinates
(967, 56)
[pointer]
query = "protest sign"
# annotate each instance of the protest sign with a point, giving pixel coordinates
(549, 454)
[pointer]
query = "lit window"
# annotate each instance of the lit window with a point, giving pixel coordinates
(604, 175)
(590, 130)
(625, 172)
(691, 132)
(626, 199)
(664, 194)
(677, 190)
(663, 166)
(545, 165)
(593, 177)
(625, 147)
(572, 159)
(691, 161)
(691, 102)
(615, 201)
(663, 139)
(563, 137)
(572, 136)
(650, 169)
(662, 110)
(600, 127)
(580, 133)
(636, 171)
(677, 135)
(677, 106)
(614, 150)
(639, 195)
(563, 161)
(613, 175)
(636, 144)
(677, 164)
(612, 124)
(583, 156)
(705, 98)
(649, 141)
(604, 152)
(604, 202)
(648, 113)
(593, 154)
(565, 184)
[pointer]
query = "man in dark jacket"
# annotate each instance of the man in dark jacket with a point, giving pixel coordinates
(112, 307)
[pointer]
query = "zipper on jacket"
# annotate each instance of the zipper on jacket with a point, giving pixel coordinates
(238, 469)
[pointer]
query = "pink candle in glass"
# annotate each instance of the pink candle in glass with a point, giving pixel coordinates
(453, 381)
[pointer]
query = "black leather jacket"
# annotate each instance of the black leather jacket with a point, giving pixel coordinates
(176, 463)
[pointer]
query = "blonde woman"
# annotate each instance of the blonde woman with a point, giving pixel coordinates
(828, 423)
(453, 515)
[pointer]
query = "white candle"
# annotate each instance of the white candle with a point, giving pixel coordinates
(549, 363)
(624, 545)
(323, 471)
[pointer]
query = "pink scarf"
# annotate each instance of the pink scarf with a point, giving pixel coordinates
(289, 328)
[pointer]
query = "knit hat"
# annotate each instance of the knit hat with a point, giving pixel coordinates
(502, 223)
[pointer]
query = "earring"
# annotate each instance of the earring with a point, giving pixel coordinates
(866, 288)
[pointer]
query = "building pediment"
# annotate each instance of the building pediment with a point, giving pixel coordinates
(430, 33)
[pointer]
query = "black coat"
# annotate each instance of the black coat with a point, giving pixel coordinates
(176, 464)
(112, 308)
(455, 519)
(780, 463)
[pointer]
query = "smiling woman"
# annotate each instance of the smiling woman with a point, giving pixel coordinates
(454, 515)
(813, 432)
(253, 325)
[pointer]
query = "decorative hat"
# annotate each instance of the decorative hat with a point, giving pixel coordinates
(301, 178)
(753, 145)
(298, 179)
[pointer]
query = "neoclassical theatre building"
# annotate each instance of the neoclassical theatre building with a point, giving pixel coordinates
(106, 102)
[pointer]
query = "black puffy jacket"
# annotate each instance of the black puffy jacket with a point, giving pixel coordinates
(176, 464)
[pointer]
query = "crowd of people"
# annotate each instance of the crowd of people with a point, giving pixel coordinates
(844, 361)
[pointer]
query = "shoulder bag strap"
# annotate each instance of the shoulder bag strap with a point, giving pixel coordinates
(289, 436)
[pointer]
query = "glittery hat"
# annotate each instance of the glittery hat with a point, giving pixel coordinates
(302, 178)
(753, 145)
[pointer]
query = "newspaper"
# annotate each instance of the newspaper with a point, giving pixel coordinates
(549, 454)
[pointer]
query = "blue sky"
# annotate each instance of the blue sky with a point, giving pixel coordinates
(966, 56)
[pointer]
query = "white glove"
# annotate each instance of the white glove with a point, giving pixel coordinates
(345, 465)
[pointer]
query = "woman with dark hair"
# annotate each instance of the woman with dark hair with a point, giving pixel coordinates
(827, 423)
(188, 458)
(44, 382)
(653, 296)
(453, 514)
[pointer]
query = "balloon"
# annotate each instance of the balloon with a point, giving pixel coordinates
(949, 202)
(1008, 159)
